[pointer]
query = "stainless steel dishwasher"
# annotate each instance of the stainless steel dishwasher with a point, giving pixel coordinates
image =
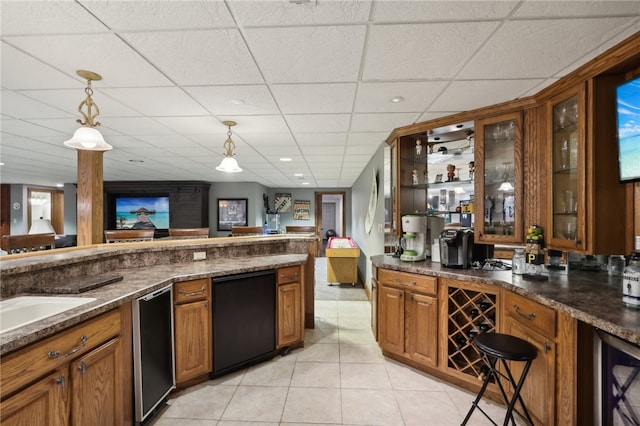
(153, 355)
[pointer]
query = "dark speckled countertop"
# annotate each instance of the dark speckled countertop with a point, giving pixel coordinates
(137, 282)
(591, 297)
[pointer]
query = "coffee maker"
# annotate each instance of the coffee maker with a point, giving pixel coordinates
(456, 248)
(414, 238)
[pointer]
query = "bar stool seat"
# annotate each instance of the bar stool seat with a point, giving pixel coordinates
(503, 347)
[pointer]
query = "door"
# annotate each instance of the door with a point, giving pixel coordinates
(328, 217)
(422, 325)
(337, 217)
(391, 321)
(289, 314)
(193, 336)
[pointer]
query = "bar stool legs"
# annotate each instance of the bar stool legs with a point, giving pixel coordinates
(503, 347)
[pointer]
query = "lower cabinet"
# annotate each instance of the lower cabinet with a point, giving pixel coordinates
(80, 376)
(193, 329)
(408, 316)
(290, 308)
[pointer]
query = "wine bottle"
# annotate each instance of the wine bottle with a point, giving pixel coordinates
(631, 278)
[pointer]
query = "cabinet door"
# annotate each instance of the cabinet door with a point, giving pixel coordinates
(193, 335)
(97, 386)
(422, 329)
(538, 391)
(290, 325)
(391, 319)
(43, 403)
(566, 115)
(498, 171)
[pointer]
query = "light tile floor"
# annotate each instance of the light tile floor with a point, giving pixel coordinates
(340, 377)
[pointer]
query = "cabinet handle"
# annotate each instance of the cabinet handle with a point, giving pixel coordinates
(82, 368)
(56, 354)
(411, 297)
(193, 293)
(530, 316)
(295, 275)
(60, 381)
(546, 347)
(206, 305)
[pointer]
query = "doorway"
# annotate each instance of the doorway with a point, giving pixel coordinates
(46, 204)
(329, 215)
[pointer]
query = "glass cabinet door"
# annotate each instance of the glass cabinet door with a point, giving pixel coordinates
(498, 174)
(567, 148)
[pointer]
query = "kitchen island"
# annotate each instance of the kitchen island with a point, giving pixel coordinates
(427, 314)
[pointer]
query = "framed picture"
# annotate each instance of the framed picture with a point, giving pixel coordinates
(231, 212)
(438, 178)
(282, 203)
(302, 210)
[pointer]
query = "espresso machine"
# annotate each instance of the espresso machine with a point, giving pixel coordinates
(414, 238)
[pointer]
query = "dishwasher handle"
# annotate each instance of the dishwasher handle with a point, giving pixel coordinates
(156, 293)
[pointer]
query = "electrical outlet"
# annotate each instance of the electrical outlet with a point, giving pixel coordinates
(199, 255)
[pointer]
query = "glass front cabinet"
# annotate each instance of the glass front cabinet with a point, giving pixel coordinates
(566, 128)
(498, 179)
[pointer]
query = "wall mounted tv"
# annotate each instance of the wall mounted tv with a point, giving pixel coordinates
(628, 115)
(142, 212)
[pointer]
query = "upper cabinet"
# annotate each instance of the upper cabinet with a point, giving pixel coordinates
(498, 171)
(586, 202)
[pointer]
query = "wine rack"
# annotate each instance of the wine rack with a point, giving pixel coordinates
(470, 312)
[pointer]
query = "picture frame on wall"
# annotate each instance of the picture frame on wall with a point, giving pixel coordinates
(282, 203)
(302, 210)
(232, 212)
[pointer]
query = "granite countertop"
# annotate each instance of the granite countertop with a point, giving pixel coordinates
(137, 282)
(594, 298)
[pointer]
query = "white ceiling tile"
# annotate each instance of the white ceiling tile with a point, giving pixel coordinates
(308, 55)
(157, 101)
(314, 98)
(195, 126)
(269, 13)
(266, 139)
(466, 95)
(314, 151)
(307, 123)
(539, 39)
(153, 15)
(381, 122)
(28, 129)
(376, 97)
(366, 150)
(20, 71)
(68, 100)
(547, 9)
(198, 57)
(324, 139)
(367, 138)
(17, 105)
(104, 54)
(258, 124)
(419, 51)
(136, 126)
(219, 100)
(433, 11)
(47, 17)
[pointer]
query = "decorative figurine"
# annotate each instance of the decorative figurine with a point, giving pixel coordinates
(418, 147)
(414, 176)
(451, 172)
(472, 169)
(534, 250)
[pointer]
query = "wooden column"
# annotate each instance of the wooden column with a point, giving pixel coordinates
(89, 203)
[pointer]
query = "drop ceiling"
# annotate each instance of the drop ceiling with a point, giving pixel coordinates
(313, 81)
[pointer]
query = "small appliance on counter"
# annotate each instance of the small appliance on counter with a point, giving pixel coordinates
(456, 247)
(414, 239)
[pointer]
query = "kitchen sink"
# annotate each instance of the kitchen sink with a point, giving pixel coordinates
(22, 310)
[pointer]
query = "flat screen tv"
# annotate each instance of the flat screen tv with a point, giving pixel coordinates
(142, 212)
(628, 115)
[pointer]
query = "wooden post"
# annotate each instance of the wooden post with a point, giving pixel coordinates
(90, 198)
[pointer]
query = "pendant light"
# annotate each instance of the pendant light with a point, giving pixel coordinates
(87, 137)
(228, 163)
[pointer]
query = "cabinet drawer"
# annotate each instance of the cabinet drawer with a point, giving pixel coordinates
(26, 365)
(289, 275)
(187, 291)
(533, 314)
(408, 281)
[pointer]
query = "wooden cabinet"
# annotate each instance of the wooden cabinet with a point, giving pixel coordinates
(408, 316)
(79, 376)
(582, 178)
(290, 323)
(536, 324)
(498, 172)
(192, 324)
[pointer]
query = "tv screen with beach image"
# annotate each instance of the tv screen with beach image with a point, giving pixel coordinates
(142, 213)
(628, 113)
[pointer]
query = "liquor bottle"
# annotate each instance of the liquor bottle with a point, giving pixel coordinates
(462, 341)
(474, 313)
(631, 278)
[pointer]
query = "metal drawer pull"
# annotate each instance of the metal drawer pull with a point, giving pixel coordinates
(295, 275)
(56, 354)
(194, 293)
(547, 348)
(60, 381)
(530, 316)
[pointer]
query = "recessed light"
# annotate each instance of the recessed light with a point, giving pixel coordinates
(298, 174)
(1, 164)
(285, 159)
(136, 161)
(237, 101)
(305, 183)
(60, 185)
(397, 99)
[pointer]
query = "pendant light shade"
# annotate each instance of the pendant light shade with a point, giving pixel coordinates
(228, 163)
(87, 137)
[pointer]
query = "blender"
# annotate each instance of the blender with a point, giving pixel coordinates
(413, 241)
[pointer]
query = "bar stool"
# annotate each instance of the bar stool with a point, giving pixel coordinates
(503, 347)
